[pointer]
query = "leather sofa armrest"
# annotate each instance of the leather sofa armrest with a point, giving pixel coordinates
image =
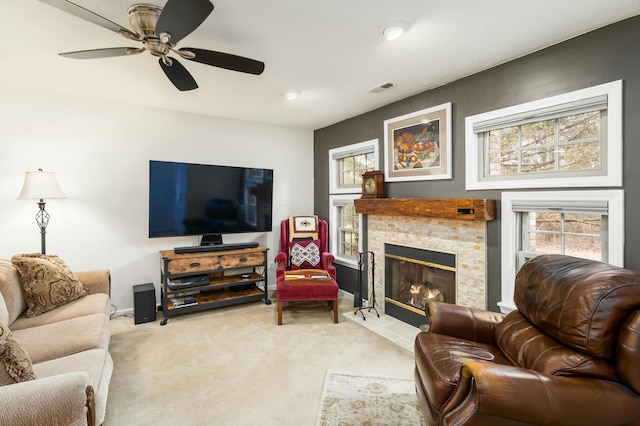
(96, 281)
(491, 393)
(464, 323)
(61, 399)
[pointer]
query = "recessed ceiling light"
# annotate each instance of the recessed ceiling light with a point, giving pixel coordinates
(395, 30)
(291, 95)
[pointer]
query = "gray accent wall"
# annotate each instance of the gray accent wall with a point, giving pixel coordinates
(607, 54)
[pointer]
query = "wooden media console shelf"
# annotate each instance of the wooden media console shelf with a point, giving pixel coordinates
(212, 279)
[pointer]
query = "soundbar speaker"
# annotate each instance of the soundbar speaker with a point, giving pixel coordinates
(144, 303)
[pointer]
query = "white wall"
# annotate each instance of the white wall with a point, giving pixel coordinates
(100, 153)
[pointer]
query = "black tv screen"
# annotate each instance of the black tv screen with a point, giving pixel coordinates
(198, 199)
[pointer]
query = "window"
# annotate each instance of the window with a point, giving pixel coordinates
(588, 224)
(351, 169)
(562, 232)
(345, 229)
(348, 230)
(346, 165)
(571, 140)
(557, 145)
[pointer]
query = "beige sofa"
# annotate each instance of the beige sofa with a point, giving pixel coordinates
(68, 348)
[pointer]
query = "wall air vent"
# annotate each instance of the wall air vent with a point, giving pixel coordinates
(382, 87)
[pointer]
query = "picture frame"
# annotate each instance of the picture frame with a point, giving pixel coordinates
(417, 146)
(305, 224)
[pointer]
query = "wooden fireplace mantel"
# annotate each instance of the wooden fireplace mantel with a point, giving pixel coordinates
(449, 208)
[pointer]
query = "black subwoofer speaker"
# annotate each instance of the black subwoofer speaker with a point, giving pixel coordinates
(144, 303)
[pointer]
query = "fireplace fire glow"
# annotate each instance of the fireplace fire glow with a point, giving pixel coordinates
(422, 293)
(415, 276)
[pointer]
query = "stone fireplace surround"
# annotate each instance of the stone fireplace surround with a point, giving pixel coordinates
(456, 226)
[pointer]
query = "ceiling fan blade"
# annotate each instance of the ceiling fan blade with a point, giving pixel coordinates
(225, 60)
(102, 53)
(178, 75)
(180, 17)
(88, 15)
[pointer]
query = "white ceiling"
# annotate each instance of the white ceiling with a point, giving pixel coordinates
(332, 51)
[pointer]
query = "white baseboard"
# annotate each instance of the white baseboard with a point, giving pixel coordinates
(122, 313)
(346, 294)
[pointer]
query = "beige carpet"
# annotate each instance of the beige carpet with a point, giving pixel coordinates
(235, 366)
(350, 400)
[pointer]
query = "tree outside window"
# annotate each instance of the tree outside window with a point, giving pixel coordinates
(352, 168)
(348, 231)
(564, 144)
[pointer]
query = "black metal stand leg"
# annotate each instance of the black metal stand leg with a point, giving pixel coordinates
(357, 297)
(374, 308)
(373, 287)
(163, 308)
(361, 313)
(267, 301)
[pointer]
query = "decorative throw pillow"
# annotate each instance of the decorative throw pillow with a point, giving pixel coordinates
(15, 365)
(304, 254)
(47, 281)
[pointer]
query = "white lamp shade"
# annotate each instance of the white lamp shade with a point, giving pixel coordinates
(40, 185)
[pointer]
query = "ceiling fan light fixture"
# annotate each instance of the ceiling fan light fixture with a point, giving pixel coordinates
(395, 30)
(165, 37)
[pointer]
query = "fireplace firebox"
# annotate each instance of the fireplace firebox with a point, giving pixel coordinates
(414, 276)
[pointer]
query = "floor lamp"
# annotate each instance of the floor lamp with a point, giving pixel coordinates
(40, 186)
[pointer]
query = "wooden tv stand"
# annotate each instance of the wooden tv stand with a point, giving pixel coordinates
(233, 277)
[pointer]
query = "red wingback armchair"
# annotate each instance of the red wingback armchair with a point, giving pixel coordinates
(304, 245)
(570, 354)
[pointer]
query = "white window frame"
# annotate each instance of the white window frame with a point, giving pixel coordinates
(612, 156)
(340, 195)
(336, 154)
(336, 201)
(510, 231)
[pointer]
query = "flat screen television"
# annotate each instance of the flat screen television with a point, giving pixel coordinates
(199, 199)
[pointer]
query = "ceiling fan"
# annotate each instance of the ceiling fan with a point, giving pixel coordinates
(160, 29)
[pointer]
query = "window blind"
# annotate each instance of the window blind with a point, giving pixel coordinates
(595, 103)
(560, 206)
(341, 202)
(352, 152)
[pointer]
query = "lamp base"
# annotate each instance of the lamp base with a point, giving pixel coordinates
(42, 219)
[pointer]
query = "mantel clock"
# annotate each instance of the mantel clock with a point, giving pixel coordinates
(373, 184)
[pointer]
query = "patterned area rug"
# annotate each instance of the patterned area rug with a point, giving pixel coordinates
(349, 399)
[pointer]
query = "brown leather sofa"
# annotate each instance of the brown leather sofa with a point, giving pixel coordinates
(570, 354)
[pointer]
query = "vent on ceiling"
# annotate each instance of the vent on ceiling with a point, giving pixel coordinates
(382, 87)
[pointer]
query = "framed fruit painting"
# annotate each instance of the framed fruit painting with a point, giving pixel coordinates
(417, 146)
